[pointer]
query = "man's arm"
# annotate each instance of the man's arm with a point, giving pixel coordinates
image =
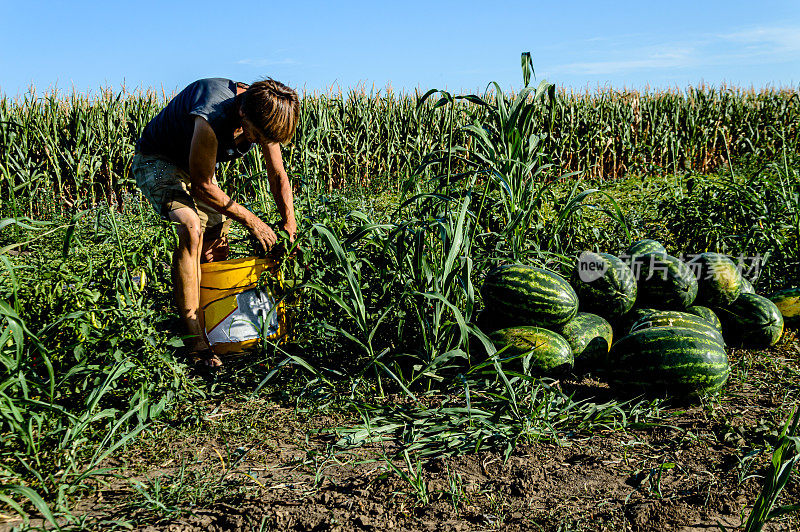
(279, 186)
(202, 160)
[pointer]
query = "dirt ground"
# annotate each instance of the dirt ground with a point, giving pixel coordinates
(260, 466)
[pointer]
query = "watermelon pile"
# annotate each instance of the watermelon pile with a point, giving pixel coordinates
(672, 319)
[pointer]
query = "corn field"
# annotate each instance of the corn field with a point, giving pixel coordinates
(61, 152)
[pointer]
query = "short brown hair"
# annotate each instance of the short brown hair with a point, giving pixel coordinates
(272, 107)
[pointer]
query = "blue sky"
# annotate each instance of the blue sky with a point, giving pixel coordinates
(459, 46)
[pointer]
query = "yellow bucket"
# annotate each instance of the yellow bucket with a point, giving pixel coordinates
(236, 311)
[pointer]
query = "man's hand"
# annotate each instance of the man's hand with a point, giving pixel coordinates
(262, 232)
(291, 230)
(202, 158)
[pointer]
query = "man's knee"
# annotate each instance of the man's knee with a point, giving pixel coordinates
(190, 237)
(190, 230)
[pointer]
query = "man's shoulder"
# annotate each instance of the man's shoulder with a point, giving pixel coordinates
(204, 87)
(213, 83)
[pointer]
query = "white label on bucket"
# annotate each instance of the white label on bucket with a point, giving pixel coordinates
(248, 320)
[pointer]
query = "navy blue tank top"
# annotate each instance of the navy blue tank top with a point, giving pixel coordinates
(170, 133)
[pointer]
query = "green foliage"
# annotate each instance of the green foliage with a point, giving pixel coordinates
(761, 219)
(84, 366)
(784, 458)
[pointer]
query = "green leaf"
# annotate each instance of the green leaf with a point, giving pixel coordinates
(34, 498)
(527, 67)
(71, 233)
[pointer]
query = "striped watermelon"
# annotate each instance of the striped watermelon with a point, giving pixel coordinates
(677, 360)
(609, 289)
(664, 281)
(707, 314)
(589, 336)
(719, 281)
(673, 318)
(788, 302)
(752, 321)
(645, 246)
(543, 352)
(622, 325)
(525, 295)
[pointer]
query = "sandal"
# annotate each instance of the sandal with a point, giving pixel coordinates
(205, 361)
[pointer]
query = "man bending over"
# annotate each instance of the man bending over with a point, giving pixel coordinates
(211, 121)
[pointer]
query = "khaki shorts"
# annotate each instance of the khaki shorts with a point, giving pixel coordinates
(168, 188)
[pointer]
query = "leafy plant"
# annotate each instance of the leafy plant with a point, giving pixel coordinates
(784, 458)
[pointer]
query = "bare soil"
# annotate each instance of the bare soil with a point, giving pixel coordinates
(261, 466)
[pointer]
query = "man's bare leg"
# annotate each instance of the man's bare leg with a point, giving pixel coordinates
(214, 250)
(186, 275)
